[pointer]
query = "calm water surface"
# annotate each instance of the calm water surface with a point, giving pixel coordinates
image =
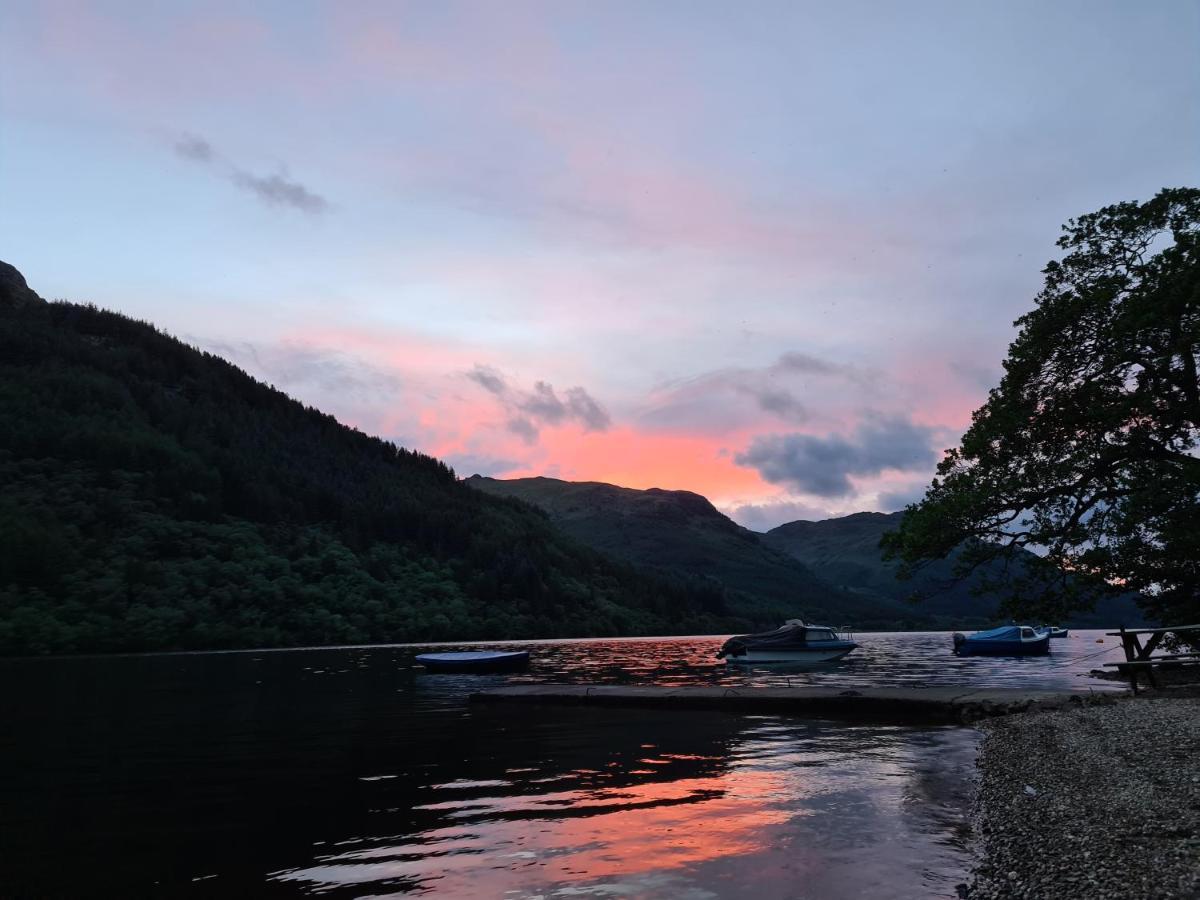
(350, 772)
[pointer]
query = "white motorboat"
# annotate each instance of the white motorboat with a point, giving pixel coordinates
(793, 642)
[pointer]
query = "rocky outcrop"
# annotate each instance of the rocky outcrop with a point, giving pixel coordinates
(13, 289)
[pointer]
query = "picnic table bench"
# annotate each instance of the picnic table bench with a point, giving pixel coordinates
(1139, 657)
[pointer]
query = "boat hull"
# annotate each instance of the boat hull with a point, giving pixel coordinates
(474, 662)
(804, 655)
(1038, 647)
(793, 642)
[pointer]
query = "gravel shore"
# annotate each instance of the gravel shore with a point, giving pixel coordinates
(1091, 802)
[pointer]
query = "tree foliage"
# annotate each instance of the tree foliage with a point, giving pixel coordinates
(1086, 452)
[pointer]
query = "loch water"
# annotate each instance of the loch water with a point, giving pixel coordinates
(352, 772)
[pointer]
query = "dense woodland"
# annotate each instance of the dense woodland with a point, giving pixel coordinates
(157, 497)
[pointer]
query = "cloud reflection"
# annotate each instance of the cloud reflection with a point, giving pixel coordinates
(699, 804)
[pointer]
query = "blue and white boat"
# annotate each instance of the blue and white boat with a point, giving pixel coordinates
(793, 642)
(475, 661)
(1009, 640)
(1054, 631)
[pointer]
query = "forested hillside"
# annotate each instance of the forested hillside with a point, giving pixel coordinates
(157, 497)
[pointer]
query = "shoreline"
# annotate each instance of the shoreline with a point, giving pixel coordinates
(1091, 802)
(483, 642)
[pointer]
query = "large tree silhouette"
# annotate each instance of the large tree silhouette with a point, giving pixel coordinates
(1086, 453)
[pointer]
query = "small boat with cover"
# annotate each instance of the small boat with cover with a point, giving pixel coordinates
(475, 661)
(1009, 640)
(793, 642)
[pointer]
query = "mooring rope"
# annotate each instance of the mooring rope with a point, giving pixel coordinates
(1079, 659)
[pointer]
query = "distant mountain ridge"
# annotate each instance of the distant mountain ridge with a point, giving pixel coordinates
(681, 531)
(830, 570)
(845, 551)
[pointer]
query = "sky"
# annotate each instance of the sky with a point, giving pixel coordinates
(768, 252)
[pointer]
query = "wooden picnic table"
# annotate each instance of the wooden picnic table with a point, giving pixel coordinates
(1139, 656)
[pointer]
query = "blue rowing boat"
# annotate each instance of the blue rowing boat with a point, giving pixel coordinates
(1010, 640)
(475, 661)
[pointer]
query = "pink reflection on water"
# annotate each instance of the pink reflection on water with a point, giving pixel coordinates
(781, 803)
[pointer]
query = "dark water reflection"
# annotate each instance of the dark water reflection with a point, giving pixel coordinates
(350, 773)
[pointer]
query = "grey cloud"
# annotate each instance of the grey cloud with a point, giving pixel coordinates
(489, 379)
(523, 428)
(895, 443)
(771, 388)
(195, 148)
(802, 362)
(797, 363)
(542, 405)
(274, 190)
(584, 409)
(809, 464)
(823, 465)
(782, 403)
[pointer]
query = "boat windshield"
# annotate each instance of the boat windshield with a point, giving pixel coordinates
(1027, 632)
(821, 636)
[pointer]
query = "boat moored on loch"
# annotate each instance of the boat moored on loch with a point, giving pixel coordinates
(792, 642)
(1008, 640)
(475, 661)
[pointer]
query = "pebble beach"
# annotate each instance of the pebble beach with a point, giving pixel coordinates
(1091, 802)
